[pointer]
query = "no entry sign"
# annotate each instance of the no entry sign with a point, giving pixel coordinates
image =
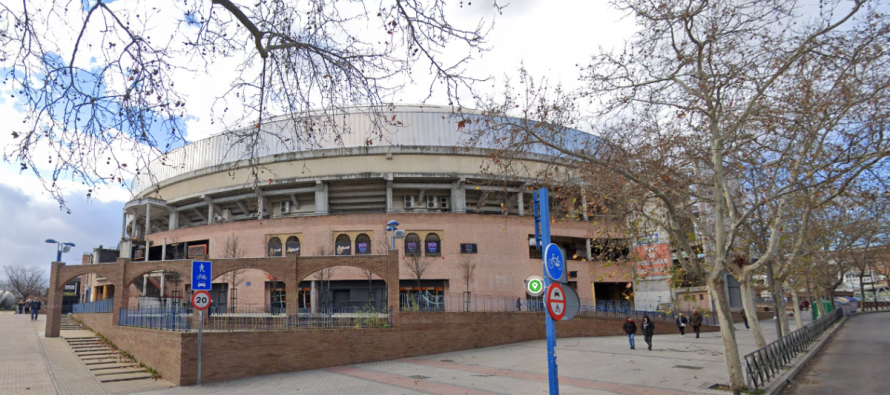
(201, 300)
(556, 301)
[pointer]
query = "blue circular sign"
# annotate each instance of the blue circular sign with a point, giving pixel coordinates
(554, 264)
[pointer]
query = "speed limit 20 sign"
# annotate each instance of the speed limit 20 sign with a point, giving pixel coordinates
(201, 300)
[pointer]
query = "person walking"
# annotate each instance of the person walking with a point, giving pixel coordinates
(631, 329)
(697, 320)
(28, 305)
(518, 304)
(21, 307)
(35, 308)
(648, 330)
(681, 324)
(745, 318)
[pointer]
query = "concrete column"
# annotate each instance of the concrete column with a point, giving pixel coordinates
(321, 198)
(458, 198)
(587, 249)
(124, 226)
(163, 277)
(313, 298)
(174, 220)
(259, 203)
(147, 222)
(389, 196)
(164, 250)
(520, 202)
(210, 213)
(133, 219)
(144, 284)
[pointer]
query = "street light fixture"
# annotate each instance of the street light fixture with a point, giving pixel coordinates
(392, 227)
(60, 248)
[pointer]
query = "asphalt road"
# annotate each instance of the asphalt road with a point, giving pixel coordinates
(854, 361)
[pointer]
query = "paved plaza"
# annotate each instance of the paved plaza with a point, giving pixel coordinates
(32, 364)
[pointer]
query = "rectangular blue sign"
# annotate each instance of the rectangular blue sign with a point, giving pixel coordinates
(202, 275)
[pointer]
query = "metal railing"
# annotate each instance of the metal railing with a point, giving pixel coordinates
(462, 303)
(766, 363)
(266, 318)
(99, 306)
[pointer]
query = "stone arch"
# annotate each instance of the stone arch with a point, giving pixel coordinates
(67, 273)
(136, 270)
(278, 267)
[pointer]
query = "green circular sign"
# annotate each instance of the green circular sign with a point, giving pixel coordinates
(535, 286)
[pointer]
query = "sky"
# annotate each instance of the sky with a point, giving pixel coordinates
(548, 37)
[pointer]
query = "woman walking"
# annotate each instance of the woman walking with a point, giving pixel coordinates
(648, 331)
(631, 329)
(681, 324)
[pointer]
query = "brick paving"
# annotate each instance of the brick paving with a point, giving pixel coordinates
(23, 368)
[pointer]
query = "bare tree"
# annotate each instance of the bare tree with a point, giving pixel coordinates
(324, 275)
(466, 268)
(417, 266)
(99, 80)
(704, 92)
(233, 249)
(26, 281)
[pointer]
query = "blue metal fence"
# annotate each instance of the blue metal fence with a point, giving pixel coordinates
(266, 318)
(99, 306)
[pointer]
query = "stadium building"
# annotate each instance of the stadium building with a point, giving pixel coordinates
(336, 199)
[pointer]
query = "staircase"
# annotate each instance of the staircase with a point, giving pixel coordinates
(68, 325)
(104, 362)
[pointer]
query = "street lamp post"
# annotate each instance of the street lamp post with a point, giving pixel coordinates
(392, 227)
(60, 248)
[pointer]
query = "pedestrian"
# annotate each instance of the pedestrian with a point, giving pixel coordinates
(28, 305)
(35, 308)
(631, 329)
(745, 318)
(697, 320)
(648, 330)
(21, 307)
(518, 304)
(681, 324)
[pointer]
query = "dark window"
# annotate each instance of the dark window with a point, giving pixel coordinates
(701, 296)
(573, 274)
(274, 246)
(293, 245)
(433, 245)
(343, 245)
(362, 244)
(412, 244)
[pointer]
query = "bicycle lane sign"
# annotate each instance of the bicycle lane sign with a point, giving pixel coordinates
(554, 263)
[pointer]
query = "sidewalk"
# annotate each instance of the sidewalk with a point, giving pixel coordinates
(604, 365)
(34, 365)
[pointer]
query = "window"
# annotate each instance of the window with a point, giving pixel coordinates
(433, 245)
(274, 246)
(412, 244)
(701, 296)
(343, 245)
(362, 244)
(293, 245)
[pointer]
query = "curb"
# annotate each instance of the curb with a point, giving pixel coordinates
(871, 312)
(784, 379)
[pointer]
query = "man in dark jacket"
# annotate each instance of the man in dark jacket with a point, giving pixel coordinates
(631, 329)
(648, 330)
(697, 320)
(681, 324)
(35, 308)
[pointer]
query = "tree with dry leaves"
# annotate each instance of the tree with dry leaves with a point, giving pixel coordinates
(703, 93)
(98, 79)
(232, 248)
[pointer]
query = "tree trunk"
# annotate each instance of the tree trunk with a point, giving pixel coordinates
(727, 335)
(781, 311)
(862, 291)
(798, 319)
(751, 310)
(820, 307)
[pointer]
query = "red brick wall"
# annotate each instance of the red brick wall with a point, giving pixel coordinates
(160, 350)
(232, 355)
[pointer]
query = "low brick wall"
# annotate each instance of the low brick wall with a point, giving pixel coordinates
(232, 355)
(160, 350)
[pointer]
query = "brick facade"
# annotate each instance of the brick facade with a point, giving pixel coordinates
(232, 355)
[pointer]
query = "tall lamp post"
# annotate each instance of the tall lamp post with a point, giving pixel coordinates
(392, 227)
(60, 248)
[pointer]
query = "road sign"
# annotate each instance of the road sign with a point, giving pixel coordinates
(556, 301)
(534, 286)
(201, 300)
(554, 263)
(202, 275)
(573, 303)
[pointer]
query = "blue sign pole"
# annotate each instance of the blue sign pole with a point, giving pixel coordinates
(542, 220)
